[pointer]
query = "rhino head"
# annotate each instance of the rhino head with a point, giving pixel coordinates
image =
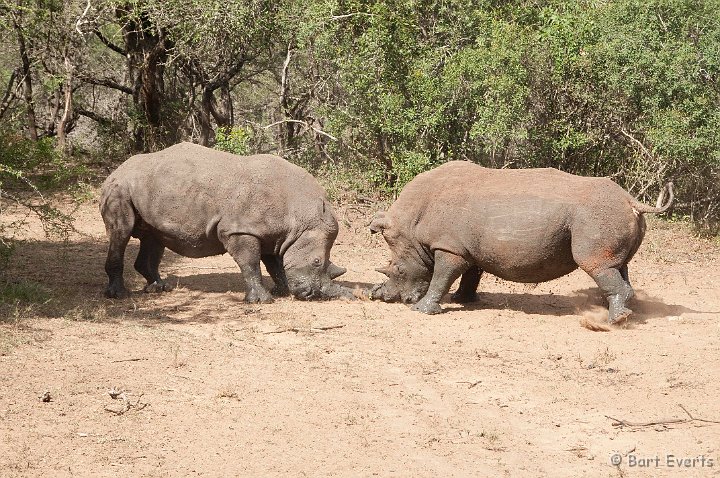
(307, 263)
(408, 274)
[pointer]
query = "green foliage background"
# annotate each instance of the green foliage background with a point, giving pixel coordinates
(390, 88)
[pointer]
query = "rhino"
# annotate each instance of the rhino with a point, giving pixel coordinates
(201, 202)
(521, 225)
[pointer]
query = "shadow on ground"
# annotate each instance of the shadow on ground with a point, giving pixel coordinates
(582, 301)
(73, 273)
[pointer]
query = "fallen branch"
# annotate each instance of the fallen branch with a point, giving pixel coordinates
(129, 360)
(471, 384)
(312, 329)
(672, 421)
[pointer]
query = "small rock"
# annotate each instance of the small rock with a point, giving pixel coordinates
(45, 397)
(115, 393)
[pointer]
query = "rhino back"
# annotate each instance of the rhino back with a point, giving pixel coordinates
(515, 224)
(189, 195)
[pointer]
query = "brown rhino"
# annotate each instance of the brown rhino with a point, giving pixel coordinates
(531, 225)
(201, 202)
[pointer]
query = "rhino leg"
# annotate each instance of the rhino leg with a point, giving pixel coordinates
(625, 274)
(119, 218)
(147, 263)
(245, 249)
(617, 290)
(114, 266)
(468, 286)
(448, 267)
(274, 266)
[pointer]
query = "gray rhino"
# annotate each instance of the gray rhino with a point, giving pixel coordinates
(531, 225)
(201, 202)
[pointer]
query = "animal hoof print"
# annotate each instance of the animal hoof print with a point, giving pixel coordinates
(427, 308)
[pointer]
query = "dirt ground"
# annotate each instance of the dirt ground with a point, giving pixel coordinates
(512, 385)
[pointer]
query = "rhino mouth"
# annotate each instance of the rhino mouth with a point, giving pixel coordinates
(306, 293)
(390, 294)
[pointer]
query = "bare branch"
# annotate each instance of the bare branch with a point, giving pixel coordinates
(317, 130)
(284, 78)
(108, 43)
(226, 76)
(637, 142)
(107, 82)
(10, 94)
(94, 116)
(81, 21)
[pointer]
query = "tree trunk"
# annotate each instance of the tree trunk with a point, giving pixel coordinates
(222, 114)
(207, 135)
(68, 111)
(147, 48)
(27, 84)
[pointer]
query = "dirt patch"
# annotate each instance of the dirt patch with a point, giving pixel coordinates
(206, 385)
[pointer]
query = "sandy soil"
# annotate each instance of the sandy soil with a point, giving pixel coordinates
(512, 385)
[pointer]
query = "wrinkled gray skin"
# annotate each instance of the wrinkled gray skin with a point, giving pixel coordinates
(201, 202)
(531, 225)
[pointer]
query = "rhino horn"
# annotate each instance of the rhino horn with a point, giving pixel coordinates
(384, 270)
(335, 271)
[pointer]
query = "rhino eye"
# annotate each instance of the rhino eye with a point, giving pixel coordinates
(316, 262)
(400, 271)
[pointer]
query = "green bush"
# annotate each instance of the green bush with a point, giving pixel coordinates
(234, 140)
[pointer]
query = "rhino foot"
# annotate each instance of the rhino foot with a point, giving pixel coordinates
(280, 291)
(427, 307)
(620, 316)
(463, 298)
(158, 286)
(116, 292)
(258, 296)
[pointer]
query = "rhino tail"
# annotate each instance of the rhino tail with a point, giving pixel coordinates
(641, 208)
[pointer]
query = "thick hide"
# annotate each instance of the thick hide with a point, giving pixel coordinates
(200, 202)
(531, 225)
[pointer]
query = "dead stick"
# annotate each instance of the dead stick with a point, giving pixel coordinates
(328, 327)
(312, 329)
(625, 423)
(672, 421)
(280, 331)
(129, 360)
(696, 419)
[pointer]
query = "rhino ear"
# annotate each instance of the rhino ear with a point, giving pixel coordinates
(379, 223)
(326, 214)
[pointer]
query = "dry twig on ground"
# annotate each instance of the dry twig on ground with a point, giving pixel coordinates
(311, 329)
(672, 421)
